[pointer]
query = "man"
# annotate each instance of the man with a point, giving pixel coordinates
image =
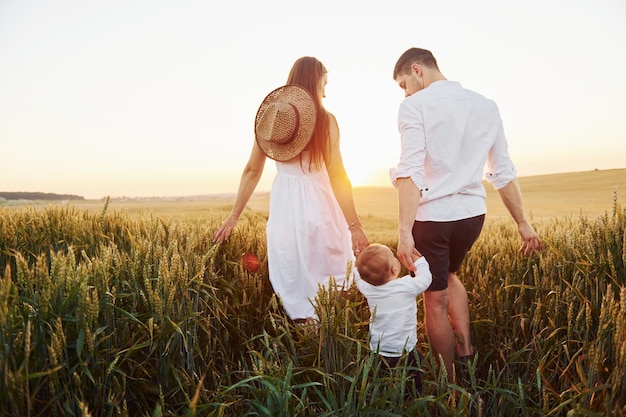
(448, 135)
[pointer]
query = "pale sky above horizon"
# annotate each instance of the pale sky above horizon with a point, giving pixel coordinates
(157, 98)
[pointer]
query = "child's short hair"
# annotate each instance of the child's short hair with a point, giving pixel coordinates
(373, 265)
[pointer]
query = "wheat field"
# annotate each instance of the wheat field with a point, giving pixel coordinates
(123, 308)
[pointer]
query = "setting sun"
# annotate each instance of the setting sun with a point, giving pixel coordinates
(363, 174)
(147, 100)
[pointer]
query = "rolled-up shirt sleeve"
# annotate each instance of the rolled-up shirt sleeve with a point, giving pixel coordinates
(500, 167)
(413, 146)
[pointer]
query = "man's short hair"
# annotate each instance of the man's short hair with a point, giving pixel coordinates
(414, 55)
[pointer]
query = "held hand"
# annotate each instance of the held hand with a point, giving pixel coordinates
(416, 255)
(225, 229)
(407, 254)
(531, 241)
(359, 240)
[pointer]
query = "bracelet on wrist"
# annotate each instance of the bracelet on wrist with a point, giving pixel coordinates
(357, 222)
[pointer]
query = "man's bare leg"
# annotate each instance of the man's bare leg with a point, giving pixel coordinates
(439, 329)
(458, 311)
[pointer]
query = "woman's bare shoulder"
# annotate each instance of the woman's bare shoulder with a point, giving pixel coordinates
(333, 127)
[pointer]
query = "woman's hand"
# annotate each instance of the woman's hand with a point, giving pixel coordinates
(359, 240)
(225, 229)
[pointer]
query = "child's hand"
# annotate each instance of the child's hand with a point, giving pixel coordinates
(415, 255)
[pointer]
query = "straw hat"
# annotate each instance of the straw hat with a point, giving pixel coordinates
(285, 122)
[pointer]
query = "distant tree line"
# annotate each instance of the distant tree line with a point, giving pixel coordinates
(38, 196)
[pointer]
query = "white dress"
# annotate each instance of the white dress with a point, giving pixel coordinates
(307, 236)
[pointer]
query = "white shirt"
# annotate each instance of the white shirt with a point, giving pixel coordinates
(448, 135)
(393, 322)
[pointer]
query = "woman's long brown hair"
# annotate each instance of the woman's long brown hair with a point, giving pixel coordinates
(307, 72)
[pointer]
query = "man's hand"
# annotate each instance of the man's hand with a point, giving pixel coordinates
(407, 254)
(531, 241)
(408, 203)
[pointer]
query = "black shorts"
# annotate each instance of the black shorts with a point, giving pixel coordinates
(445, 244)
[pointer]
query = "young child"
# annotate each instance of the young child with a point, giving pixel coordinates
(393, 308)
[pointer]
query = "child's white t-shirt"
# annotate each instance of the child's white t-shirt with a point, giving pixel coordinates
(393, 322)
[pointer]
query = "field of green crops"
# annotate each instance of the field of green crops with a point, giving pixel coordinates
(106, 314)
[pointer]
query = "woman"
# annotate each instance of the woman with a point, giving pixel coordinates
(313, 230)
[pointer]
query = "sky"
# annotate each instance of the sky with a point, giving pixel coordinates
(144, 98)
